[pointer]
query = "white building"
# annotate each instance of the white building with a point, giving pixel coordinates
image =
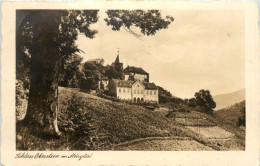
(135, 91)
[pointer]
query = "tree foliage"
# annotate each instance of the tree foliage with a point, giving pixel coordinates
(192, 102)
(112, 72)
(149, 21)
(204, 98)
(164, 95)
(90, 77)
(71, 72)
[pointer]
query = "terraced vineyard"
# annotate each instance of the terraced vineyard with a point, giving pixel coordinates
(191, 119)
(194, 122)
(212, 132)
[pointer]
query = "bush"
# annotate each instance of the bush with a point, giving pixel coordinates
(171, 114)
(204, 109)
(181, 109)
(77, 120)
(163, 98)
(192, 102)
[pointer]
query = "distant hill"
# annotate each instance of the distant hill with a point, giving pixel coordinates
(225, 100)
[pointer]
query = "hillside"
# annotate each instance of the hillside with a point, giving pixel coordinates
(89, 122)
(112, 122)
(230, 114)
(118, 121)
(225, 100)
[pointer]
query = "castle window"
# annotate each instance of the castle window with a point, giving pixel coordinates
(135, 92)
(119, 90)
(151, 92)
(137, 85)
(142, 91)
(138, 91)
(154, 92)
(124, 90)
(128, 90)
(147, 92)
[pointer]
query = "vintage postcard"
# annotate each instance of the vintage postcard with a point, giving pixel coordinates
(130, 83)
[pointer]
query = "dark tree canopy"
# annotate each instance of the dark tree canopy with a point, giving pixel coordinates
(149, 21)
(164, 95)
(192, 102)
(90, 77)
(59, 27)
(112, 72)
(70, 74)
(204, 98)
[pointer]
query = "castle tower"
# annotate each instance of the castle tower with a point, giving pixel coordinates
(118, 65)
(117, 59)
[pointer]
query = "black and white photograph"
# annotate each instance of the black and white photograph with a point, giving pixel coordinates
(130, 83)
(145, 80)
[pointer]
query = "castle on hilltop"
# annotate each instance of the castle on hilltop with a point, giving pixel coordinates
(134, 87)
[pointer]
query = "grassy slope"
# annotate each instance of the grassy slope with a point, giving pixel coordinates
(114, 122)
(230, 114)
(121, 121)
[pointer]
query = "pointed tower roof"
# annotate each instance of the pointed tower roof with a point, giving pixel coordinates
(117, 59)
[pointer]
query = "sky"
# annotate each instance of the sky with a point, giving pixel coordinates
(200, 50)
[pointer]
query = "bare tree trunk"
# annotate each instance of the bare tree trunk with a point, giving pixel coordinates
(45, 67)
(43, 99)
